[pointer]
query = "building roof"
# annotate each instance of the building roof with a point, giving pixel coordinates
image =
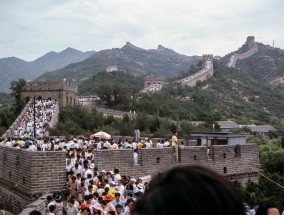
(227, 124)
(260, 128)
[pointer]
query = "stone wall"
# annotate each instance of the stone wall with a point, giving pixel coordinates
(153, 161)
(26, 175)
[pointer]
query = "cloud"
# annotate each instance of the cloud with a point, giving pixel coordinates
(31, 28)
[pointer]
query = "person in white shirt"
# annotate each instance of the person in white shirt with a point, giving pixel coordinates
(167, 143)
(117, 176)
(135, 156)
(32, 147)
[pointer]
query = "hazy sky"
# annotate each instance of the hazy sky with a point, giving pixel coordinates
(31, 28)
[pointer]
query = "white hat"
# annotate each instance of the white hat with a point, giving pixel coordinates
(103, 171)
(92, 166)
(133, 180)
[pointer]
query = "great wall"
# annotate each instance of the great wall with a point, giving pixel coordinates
(251, 44)
(27, 177)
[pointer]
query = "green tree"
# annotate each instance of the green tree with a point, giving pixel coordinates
(16, 91)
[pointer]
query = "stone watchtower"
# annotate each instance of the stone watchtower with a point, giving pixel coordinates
(207, 57)
(250, 42)
(65, 92)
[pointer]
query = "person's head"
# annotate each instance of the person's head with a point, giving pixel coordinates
(266, 209)
(117, 196)
(103, 203)
(130, 203)
(84, 209)
(119, 182)
(52, 209)
(116, 171)
(71, 202)
(118, 208)
(35, 212)
(111, 213)
(194, 189)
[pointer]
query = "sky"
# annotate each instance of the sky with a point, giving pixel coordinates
(31, 28)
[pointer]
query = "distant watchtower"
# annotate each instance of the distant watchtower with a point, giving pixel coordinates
(207, 57)
(65, 92)
(250, 42)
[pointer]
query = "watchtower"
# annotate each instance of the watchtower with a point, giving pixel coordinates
(65, 92)
(250, 41)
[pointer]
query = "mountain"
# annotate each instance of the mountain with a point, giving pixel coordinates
(12, 68)
(266, 64)
(138, 61)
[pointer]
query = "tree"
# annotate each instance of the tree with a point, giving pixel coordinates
(16, 91)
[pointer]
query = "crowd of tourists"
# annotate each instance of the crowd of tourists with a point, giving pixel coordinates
(44, 110)
(181, 190)
(56, 144)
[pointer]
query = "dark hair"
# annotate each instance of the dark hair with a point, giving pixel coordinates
(188, 188)
(35, 212)
(51, 208)
(71, 201)
(118, 206)
(129, 201)
(111, 212)
(116, 171)
(263, 208)
(117, 194)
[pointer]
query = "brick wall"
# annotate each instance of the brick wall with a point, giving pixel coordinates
(153, 161)
(26, 175)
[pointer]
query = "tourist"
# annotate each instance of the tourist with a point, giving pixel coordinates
(117, 200)
(267, 209)
(119, 209)
(129, 207)
(192, 190)
(71, 209)
(84, 209)
(52, 210)
(253, 211)
(35, 212)
(175, 146)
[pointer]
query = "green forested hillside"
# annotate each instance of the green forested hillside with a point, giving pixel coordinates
(92, 85)
(229, 94)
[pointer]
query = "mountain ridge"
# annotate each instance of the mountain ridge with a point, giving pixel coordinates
(13, 68)
(131, 58)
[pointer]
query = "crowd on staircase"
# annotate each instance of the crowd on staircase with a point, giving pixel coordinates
(41, 113)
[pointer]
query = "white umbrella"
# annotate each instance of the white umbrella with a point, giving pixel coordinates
(101, 134)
